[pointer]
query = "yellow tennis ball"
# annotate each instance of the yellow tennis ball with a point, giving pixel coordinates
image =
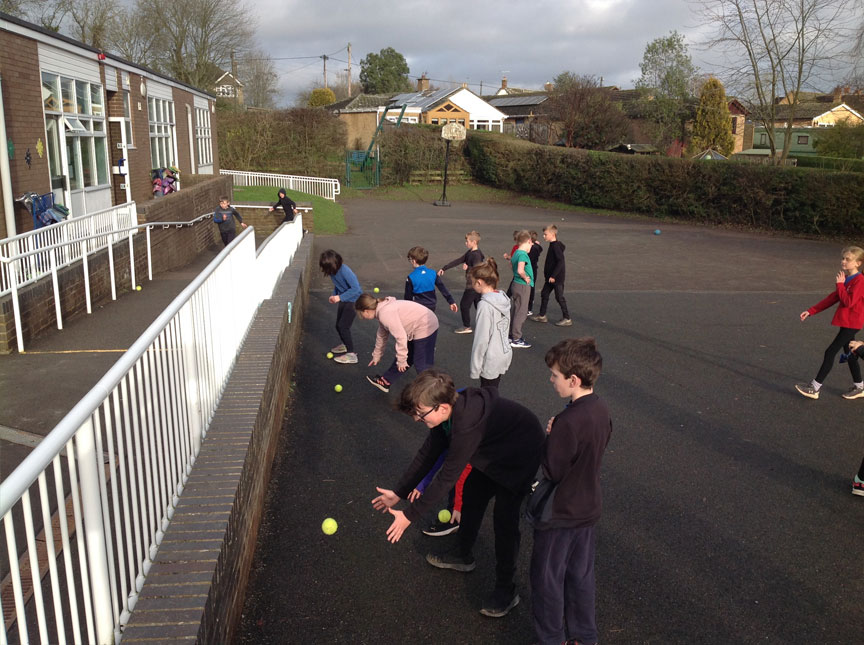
(444, 516)
(376, 289)
(138, 288)
(329, 526)
(329, 354)
(338, 388)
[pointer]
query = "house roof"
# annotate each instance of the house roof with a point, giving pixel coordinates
(520, 99)
(361, 103)
(108, 55)
(233, 78)
(423, 100)
(709, 155)
(812, 109)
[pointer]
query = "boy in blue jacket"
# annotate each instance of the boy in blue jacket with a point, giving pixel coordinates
(224, 216)
(421, 282)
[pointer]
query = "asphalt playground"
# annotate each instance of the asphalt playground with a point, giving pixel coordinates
(727, 514)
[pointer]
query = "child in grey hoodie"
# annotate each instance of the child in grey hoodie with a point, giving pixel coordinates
(491, 353)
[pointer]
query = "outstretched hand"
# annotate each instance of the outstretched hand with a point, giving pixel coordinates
(454, 308)
(804, 315)
(397, 528)
(387, 499)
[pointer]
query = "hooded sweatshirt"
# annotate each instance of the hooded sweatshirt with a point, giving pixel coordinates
(499, 437)
(554, 265)
(287, 205)
(405, 320)
(491, 353)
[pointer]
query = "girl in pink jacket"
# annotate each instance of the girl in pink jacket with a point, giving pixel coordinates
(849, 317)
(413, 327)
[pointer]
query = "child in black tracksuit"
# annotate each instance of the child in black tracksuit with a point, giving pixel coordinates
(562, 563)
(502, 440)
(553, 272)
(287, 205)
(224, 216)
(534, 258)
(472, 257)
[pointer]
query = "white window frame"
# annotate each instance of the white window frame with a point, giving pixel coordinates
(160, 114)
(203, 136)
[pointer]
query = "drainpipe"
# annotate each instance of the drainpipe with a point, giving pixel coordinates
(5, 172)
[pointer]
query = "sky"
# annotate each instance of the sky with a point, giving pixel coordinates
(474, 41)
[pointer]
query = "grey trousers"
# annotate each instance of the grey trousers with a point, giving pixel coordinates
(518, 309)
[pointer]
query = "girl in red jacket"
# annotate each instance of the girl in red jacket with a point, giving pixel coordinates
(849, 317)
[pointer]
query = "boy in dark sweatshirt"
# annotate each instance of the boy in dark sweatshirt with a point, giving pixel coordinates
(224, 216)
(421, 282)
(553, 272)
(287, 204)
(562, 563)
(502, 440)
(472, 257)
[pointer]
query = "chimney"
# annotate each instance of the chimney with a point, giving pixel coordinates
(422, 83)
(464, 86)
(838, 94)
(504, 83)
(548, 87)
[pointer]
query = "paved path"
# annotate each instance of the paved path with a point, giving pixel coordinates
(728, 516)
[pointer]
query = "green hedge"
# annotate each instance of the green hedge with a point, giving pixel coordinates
(830, 163)
(801, 200)
(410, 148)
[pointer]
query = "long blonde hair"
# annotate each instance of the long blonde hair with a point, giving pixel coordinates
(367, 302)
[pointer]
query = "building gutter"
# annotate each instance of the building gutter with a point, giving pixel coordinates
(5, 171)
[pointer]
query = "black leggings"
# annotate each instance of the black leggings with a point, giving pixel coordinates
(345, 315)
(469, 297)
(841, 341)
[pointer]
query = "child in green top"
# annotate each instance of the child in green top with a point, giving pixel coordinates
(523, 280)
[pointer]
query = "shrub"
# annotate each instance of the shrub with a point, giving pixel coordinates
(799, 200)
(410, 148)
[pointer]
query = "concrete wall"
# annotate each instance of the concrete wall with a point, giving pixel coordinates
(195, 589)
(171, 248)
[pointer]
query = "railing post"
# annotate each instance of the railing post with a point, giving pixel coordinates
(16, 306)
(89, 463)
(132, 260)
(86, 266)
(149, 256)
(189, 341)
(111, 267)
(56, 289)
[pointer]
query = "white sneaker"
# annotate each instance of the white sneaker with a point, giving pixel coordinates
(348, 358)
(339, 349)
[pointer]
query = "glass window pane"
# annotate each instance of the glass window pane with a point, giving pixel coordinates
(68, 94)
(154, 154)
(128, 125)
(73, 165)
(52, 128)
(82, 94)
(96, 100)
(51, 92)
(127, 112)
(100, 144)
(87, 174)
(98, 126)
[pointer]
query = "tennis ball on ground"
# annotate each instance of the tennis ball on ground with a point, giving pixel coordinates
(444, 516)
(376, 289)
(338, 388)
(656, 231)
(138, 288)
(329, 354)
(329, 526)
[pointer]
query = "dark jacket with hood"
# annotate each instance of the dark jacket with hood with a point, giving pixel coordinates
(287, 205)
(499, 437)
(553, 267)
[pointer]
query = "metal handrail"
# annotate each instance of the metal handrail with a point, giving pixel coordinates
(325, 187)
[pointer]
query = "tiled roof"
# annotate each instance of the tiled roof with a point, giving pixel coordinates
(361, 103)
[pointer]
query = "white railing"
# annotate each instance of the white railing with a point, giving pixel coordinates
(129, 446)
(101, 229)
(48, 259)
(320, 186)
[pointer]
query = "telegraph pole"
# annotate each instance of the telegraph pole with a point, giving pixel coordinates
(349, 70)
(325, 70)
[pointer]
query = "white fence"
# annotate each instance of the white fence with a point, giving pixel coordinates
(129, 446)
(322, 187)
(100, 229)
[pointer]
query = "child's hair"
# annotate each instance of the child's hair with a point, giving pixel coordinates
(418, 254)
(432, 387)
(577, 356)
(487, 271)
(856, 251)
(551, 228)
(282, 191)
(474, 236)
(516, 234)
(330, 262)
(522, 237)
(367, 302)
(533, 235)
(224, 198)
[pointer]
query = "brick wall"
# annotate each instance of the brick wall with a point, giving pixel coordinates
(171, 248)
(22, 98)
(183, 100)
(196, 587)
(139, 154)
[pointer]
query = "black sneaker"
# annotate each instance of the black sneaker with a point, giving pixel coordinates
(499, 604)
(380, 382)
(451, 561)
(441, 528)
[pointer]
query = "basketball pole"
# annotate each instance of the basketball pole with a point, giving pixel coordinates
(443, 201)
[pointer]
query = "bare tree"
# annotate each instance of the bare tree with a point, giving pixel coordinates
(259, 79)
(777, 49)
(584, 112)
(135, 36)
(92, 21)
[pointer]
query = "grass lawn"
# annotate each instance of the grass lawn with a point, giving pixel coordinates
(329, 216)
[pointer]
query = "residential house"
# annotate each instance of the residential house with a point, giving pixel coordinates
(91, 128)
(520, 111)
(360, 114)
(228, 86)
(820, 110)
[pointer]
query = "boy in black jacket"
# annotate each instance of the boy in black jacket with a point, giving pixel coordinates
(224, 216)
(287, 204)
(562, 564)
(502, 440)
(553, 271)
(472, 257)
